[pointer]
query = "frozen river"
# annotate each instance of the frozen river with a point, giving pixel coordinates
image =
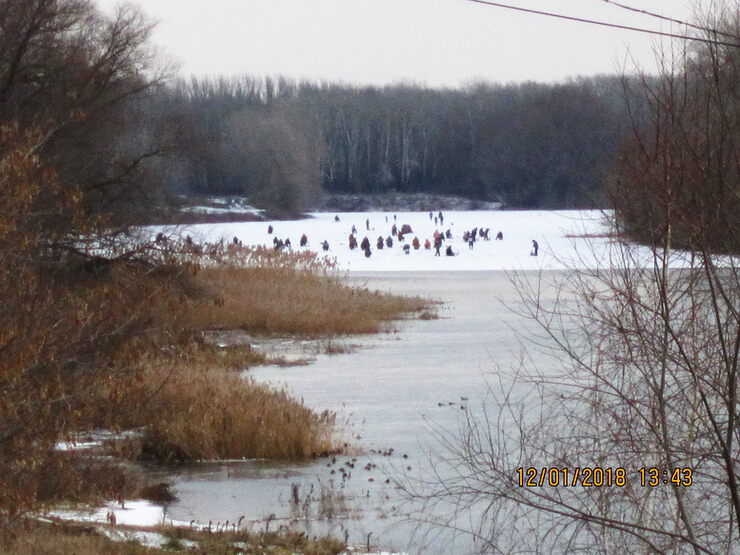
(388, 394)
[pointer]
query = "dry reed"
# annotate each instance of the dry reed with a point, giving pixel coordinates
(280, 300)
(208, 414)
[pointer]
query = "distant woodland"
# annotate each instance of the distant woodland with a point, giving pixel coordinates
(282, 143)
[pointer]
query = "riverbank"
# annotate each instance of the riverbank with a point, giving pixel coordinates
(183, 394)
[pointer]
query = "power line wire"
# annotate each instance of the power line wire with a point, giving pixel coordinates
(606, 24)
(671, 19)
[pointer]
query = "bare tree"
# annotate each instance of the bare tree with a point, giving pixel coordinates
(626, 440)
(276, 157)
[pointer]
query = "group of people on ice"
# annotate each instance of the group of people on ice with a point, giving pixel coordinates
(399, 235)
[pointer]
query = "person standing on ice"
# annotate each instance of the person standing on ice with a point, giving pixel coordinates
(535, 248)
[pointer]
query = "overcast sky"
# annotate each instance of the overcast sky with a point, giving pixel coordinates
(433, 42)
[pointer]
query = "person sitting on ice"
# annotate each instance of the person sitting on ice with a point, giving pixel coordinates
(406, 249)
(336, 218)
(389, 241)
(269, 230)
(427, 244)
(448, 234)
(380, 242)
(368, 252)
(500, 236)
(325, 245)
(365, 244)
(352, 241)
(535, 248)
(448, 251)
(304, 240)
(416, 243)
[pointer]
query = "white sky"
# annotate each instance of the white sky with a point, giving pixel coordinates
(433, 42)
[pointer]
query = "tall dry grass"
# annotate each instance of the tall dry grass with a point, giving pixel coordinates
(183, 391)
(206, 413)
(286, 300)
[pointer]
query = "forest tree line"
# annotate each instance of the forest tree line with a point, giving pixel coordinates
(282, 143)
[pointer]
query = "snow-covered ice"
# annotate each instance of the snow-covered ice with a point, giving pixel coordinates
(566, 238)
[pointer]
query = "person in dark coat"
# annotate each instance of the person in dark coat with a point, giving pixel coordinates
(368, 252)
(448, 234)
(441, 218)
(380, 243)
(500, 236)
(365, 245)
(352, 241)
(448, 251)
(269, 230)
(389, 241)
(304, 240)
(535, 248)
(336, 218)
(354, 230)
(325, 245)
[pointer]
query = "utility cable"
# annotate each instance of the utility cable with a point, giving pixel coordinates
(671, 19)
(606, 24)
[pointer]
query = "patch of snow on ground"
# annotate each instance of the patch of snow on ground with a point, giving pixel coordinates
(132, 513)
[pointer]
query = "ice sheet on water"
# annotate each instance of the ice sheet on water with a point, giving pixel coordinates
(562, 237)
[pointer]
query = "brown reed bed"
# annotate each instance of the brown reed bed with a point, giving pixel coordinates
(210, 414)
(284, 300)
